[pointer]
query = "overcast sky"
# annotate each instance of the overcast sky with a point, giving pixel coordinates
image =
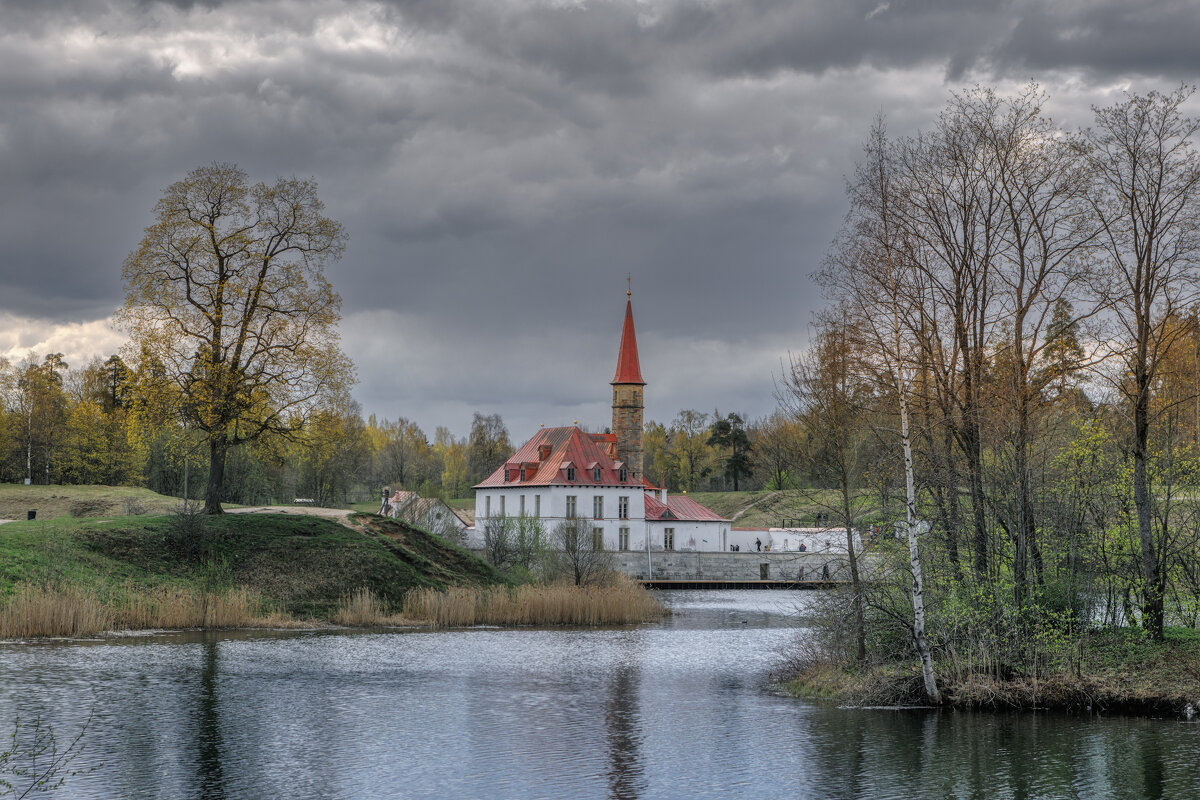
(501, 166)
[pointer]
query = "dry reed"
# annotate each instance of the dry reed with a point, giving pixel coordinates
(34, 610)
(43, 611)
(557, 604)
(363, 608)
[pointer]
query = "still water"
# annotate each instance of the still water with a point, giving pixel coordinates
(681, 709)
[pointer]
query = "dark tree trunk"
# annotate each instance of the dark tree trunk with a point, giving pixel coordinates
(1152, 583)
(218, 447)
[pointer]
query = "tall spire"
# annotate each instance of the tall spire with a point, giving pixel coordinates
(629, 371)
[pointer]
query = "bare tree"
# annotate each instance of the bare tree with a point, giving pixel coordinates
(872, 279)
(823, 391)
(581, 551)
(1146, 197)
(498, 541)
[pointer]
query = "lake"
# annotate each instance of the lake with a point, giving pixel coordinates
(678, 709)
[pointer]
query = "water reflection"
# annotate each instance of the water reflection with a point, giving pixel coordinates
(677, 710)
(626, 773)
(208, 735)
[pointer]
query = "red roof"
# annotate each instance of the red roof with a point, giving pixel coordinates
(628, 369)
(567, 447)
(681, 508)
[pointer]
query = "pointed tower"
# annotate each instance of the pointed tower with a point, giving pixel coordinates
(627, 397)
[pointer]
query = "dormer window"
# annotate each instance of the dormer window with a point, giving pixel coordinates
(596, 475)
(570, 474)
(522, 473)
(543, 452)
(623, 474)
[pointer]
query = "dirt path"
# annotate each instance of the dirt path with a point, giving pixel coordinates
(762, 499)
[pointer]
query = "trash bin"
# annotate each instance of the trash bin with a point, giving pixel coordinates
(32, 514)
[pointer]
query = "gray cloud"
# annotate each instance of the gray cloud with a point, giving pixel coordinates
(501, 166)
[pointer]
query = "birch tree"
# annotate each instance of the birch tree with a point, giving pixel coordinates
(869, 274)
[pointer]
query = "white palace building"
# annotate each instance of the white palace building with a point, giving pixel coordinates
(566, 473)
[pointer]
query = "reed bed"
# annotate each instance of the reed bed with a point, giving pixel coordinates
(43, 611)
(184, 608)
(556, 604)
(39, 611)
(362, 608)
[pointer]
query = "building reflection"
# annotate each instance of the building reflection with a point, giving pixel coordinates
(622, 723)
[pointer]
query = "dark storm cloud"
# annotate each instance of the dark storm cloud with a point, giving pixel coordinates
(1107, 39)
(501, 166)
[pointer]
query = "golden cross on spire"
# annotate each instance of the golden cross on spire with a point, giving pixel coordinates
(629, 284)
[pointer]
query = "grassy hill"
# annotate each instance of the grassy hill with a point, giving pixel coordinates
(52, 502)
(299, 565)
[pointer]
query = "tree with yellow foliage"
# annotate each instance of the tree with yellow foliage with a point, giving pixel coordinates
(227, 292)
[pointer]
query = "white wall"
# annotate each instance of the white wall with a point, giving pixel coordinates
(708, 536)
(554, 509)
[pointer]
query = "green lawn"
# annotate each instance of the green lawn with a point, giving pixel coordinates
(52, 502)
(301, 565)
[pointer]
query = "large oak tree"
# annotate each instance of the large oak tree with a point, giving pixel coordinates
(227, 292)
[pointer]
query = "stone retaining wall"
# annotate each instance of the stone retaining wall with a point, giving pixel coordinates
(733, 566)
(687, 565)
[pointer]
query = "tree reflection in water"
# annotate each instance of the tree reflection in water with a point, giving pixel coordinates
(622, 723)
(208, 721)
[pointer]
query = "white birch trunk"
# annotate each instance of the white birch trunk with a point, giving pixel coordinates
(914, 555)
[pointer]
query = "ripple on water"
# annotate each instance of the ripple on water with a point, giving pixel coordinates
(677, 709)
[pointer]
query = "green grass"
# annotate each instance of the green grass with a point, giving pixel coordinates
(52, 502)
(763, 509)
(300, 565)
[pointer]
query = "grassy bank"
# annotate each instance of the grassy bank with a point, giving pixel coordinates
(1117, 670)
(77, 577)
(233, 570)
(53, 502)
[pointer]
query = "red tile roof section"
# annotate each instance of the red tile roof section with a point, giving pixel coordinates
(567, 445)
(628, 368)
(682, 508)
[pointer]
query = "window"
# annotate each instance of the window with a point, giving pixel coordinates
(502, 505)
(570, 473)
(668, 538)
(522, 505)
(623, 538)
(623, 474)
(487, 505)
(537, 505)
(623, 507)
(597, 538)
(522, 473)
(598, 507)
(570, 506)
(595, 474)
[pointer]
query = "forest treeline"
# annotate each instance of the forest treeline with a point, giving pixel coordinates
(107, 422)
(1012, 341)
